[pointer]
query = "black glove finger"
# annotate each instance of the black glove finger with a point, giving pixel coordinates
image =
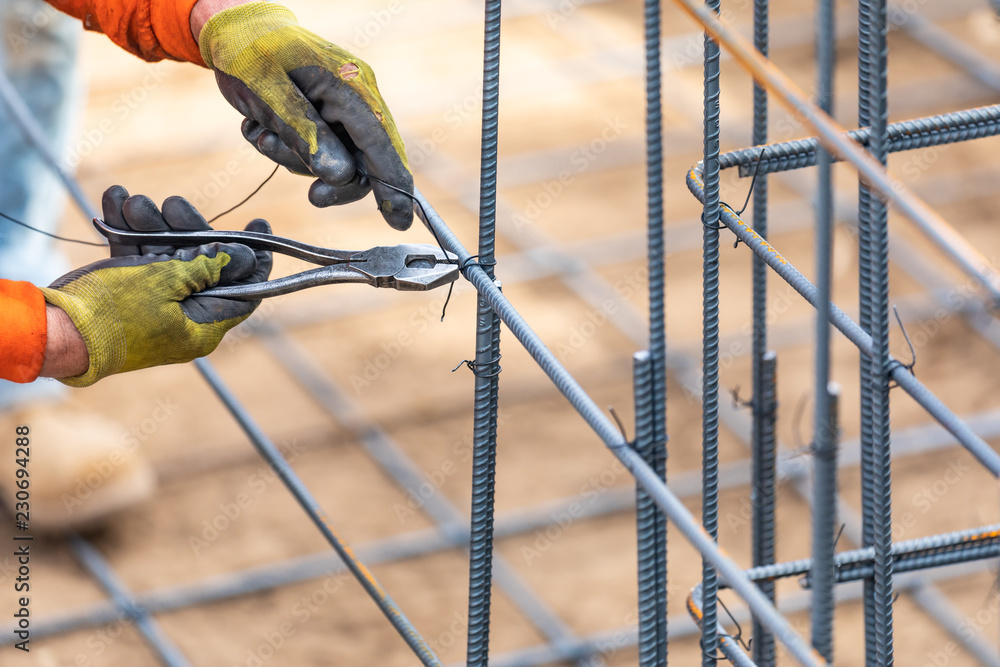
(181, 215)
(242, 264)
(111, 203)
(395, 206)
(323, 195)
(142, 215)
(331, 161)
(264, 261)
(381, 159)
(270, 146)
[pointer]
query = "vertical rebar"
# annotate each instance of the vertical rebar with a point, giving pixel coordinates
(657, 385)
(710, 343)
(764, 491)
(487, 365)
(763, 441)
(647, 515)
(879, 305)
(824, 507)
(864, 320)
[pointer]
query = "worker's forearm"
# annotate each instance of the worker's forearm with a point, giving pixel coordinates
(65, 351)
(206, 9)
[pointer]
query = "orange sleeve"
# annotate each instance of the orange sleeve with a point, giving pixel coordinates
(151, 29)
(22, 331)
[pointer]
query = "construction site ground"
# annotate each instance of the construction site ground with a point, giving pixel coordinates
(572, 189)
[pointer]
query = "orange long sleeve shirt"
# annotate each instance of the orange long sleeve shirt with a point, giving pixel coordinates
(22, 331)
(152, 30)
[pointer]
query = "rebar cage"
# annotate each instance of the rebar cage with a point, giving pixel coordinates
(881, 565)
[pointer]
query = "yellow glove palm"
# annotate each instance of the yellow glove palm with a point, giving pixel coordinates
(311, 106)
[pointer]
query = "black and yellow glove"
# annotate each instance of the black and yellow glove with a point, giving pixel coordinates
(140, 308)
(310, 106)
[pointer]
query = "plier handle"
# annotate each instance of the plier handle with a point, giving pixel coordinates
(407, 267)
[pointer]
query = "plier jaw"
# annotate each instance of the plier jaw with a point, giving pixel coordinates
(408, 267)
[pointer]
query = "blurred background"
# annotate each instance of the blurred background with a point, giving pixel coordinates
(324, 370)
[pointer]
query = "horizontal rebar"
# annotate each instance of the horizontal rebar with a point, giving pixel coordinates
(945, 544)
(906, 135)
(906, 380)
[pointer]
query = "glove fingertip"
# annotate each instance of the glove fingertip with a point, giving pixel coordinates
(258, 225)
(242, 263)
(111, 204)
(181, 215)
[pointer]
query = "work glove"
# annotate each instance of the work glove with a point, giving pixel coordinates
(140, 308)
(310, 106)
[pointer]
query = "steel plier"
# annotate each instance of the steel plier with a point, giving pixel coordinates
(407, 267)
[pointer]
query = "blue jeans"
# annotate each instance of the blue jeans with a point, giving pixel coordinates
(38, 55)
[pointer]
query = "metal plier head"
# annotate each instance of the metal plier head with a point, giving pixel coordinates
(407, 267)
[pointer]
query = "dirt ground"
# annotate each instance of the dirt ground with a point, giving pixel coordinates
(572, 105)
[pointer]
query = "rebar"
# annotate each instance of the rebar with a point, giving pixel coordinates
(647, 518)
(302, 495)
(125, 604)
(710, 343)
(948, 128)
(831, 135)
(655, 450)
(903, 378)
(764, 500)
(608, 433)
(487, 364)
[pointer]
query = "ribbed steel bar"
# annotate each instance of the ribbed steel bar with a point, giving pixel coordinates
(763, 442)
(867, 368)
(167, 653)
(647, 517)
(824, 445)
(939, 550)
(308, 503)
(487, 366)
(764, 449)
(608, 432)
(824, 513)
(963, 253)
(878, 239)
(903, 378)
(656, 454)
(710, 342)
(948, 128)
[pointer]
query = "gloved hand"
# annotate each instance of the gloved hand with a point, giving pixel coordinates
(140, 307)
(310, 106)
